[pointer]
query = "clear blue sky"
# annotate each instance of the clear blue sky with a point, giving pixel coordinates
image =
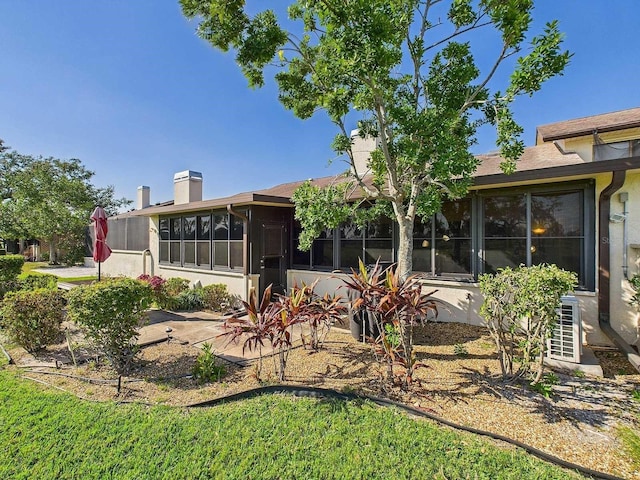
(128, 88)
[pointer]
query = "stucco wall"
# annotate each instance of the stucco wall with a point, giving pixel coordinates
(456, 301)
(624, 318)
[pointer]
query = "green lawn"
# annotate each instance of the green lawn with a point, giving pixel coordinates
(51, 435)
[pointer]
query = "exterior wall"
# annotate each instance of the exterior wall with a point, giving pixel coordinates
(456, 301)
(134, 263)
(624, 318)
(583, 146)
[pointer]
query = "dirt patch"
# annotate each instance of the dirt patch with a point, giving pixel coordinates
(460, 382)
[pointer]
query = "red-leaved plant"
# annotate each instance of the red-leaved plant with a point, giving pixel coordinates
(273, 322)
(396, 307)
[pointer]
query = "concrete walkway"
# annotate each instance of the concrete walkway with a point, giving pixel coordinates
(69, 272)
(197, 328)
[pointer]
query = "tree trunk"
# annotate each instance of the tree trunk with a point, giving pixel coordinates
(405, 246)
(53, 258)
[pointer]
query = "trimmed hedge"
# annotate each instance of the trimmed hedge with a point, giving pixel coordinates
(10, 267)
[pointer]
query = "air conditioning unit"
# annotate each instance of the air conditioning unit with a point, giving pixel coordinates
(565, 343)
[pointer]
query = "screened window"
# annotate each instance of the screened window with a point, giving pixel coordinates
(300, 258)
(205, 240)
(442, 245)
(322, 249)
(505, 232)
(351, 245)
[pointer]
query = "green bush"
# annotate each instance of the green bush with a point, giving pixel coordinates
(32, 318)
(635, 284)
(175, 286)
(189, 300)
(520, 311)
(33, 281)
(111, 312)
(10, 267)
(207, 368)
(216, 297)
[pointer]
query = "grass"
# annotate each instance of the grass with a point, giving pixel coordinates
(52, 435)
(29, 267)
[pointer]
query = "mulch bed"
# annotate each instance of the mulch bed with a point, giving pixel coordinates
(460, 382)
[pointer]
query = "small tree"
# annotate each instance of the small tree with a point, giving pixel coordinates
(111, 313)
(32, 318)
(520, 310)
(408, 72)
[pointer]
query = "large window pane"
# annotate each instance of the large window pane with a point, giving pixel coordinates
(221, 254)
(203, 254)
(164, 251)
(174, 252)
(507, 252)
(189, 228)
(323, 249)
(189, 253)
(350, 245)
(235, 254)
(221, 226)
(564, 252)
(236, 228)
(453, 256)
(174, 228)
(204, 227)
(557, 215)
(163, 226)
(505, 216)
(422, 245)
(453, 238)
(378, 243)
(300, 258)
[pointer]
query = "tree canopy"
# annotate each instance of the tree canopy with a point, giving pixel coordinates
(403, 71)
(48, 198)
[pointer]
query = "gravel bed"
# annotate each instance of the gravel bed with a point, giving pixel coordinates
(460, 382)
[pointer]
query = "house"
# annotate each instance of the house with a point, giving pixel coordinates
(573, 201)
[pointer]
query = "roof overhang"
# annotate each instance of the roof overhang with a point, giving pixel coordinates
(562, 171)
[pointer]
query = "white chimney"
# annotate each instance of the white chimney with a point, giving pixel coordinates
(187, 187)
(144, 197)
(361, 149)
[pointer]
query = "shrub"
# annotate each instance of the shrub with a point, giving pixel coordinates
(216, 297)
(175, 286)
(520, 311)
(10, 267)
(111, 312)
(157, 288)
(189, 300)
(207, 368)
(32, 318)
(33, 281)
(635, 285)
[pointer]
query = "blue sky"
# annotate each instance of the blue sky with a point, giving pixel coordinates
(128, 88)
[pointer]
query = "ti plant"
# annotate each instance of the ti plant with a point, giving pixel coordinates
(273, 322)
(256, 327)
(396, 306)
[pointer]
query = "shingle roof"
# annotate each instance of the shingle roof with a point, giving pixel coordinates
(584, 126)
(543, 158)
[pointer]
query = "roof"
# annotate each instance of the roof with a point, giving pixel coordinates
(577, 127)
(541, 161)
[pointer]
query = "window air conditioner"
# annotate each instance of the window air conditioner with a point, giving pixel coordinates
(566, 339)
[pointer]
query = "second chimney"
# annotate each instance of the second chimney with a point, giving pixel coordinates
(187, 187)
(144, 197)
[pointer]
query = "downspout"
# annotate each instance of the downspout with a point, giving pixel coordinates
(604, 276)
(146, 252)
(245, 243)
